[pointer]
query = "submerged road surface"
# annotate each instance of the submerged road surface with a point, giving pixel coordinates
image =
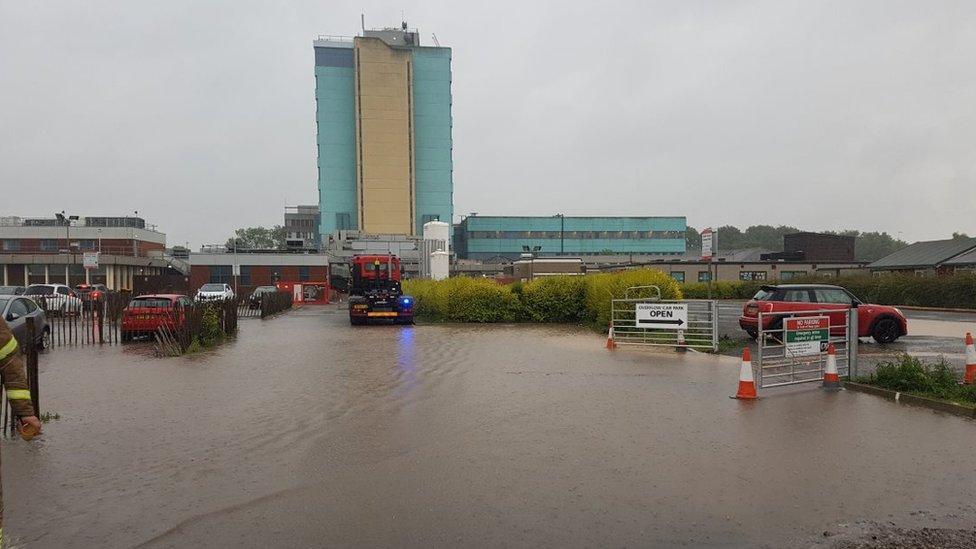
(308, 432)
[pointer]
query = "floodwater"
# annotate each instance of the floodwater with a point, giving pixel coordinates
(308, 432)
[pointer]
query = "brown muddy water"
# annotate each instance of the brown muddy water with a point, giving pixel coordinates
(306, 432)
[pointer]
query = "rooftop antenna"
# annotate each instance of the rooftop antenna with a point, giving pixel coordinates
(362, 21)
(436, 42)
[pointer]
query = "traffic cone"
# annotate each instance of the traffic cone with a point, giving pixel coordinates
(831, 380)
(970, 361)
(681, 342)
(747, 386)
(611, 344)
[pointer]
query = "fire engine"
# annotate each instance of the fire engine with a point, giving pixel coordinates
(375, 293)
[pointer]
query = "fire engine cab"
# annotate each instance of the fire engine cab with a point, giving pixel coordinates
(375, 293)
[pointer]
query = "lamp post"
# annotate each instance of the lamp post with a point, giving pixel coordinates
(237, 267)
(562, 233)
(67, 219)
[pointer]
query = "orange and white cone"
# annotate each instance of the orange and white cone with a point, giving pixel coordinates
(831, 380)
(970, 377)
(611, 344)
(747, 385)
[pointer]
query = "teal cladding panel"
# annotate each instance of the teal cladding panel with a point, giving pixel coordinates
(486, 236)
(433, 165)
(335, 119)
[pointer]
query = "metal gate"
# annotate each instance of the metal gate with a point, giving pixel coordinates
(699, 332)
(786, 359)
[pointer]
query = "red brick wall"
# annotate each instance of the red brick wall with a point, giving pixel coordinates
(261, 275)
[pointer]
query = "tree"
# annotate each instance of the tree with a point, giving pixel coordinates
(874, 246)
(959, 236)
(728, 238)
(766, 237)
(692, 238)
(258, 238)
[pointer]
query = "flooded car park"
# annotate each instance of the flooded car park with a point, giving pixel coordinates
(305, 431)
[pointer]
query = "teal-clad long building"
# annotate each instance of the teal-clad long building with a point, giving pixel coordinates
(488, 237)
(383, 116)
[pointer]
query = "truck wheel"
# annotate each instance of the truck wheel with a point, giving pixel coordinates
(753, 334)
(357, 321)
(885, 330)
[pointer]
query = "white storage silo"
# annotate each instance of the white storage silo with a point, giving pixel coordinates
(440, 264)
(437, 238)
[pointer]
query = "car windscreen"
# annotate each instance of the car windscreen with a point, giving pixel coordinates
(763, 295)
(212, 288)
(40, 290)
(150, 302)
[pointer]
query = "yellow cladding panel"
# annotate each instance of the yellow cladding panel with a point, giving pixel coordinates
(385, 142)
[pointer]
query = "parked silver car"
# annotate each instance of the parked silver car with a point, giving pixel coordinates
(18, 311)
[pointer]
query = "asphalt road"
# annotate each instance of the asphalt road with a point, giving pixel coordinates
(305, 431)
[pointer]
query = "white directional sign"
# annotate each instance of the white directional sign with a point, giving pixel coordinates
(707, 244)
(90, 260)
(662, 316)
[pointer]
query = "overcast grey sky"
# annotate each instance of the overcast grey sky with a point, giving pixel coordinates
(200, 115)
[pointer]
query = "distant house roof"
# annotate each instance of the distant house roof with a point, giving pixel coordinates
(967, 258)
(923, 255)
(748, 255)
(824, 235)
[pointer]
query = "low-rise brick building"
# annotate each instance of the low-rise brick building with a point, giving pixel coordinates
(245, 271)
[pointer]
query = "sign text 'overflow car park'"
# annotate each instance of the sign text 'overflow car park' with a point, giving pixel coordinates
(663, 316)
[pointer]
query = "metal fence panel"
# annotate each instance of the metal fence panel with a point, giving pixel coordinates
(701, 331)
(778, 366)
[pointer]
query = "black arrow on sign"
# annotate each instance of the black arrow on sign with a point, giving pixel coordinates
(678, 322)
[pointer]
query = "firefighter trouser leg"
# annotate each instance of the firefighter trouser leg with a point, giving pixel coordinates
(1, 514)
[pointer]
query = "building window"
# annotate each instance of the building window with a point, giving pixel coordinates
(221, 274)
(87, 245)
(245, 275)
(787, 275)
(427, 218)
(76, 274)
(752, 275)
(11, 245)
(303, 274)
(343, 221)
(36, 274)
(678, 275)
(49, 245)
(57, 274)
(704, 276)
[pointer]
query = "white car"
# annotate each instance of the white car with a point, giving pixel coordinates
(55, 298)
(214, 291)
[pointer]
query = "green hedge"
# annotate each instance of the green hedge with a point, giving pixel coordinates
(564, 299)
(721, 290)
(957, 291)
